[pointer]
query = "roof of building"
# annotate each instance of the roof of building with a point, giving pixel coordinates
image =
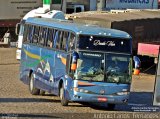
(118, 15)
(108, 18)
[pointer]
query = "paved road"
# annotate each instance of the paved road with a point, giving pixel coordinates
(16, 101)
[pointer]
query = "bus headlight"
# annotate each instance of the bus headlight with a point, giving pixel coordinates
(81, 90)
(122, 93)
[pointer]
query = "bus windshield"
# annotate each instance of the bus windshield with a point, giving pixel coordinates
(111, 68)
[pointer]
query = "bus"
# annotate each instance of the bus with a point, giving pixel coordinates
(77, 62)
(39, 12)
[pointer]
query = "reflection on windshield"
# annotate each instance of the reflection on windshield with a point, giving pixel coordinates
(118, 68)
(90, 69)
(111, 68)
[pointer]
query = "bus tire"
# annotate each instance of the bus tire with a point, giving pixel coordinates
(111, 106)
(33, 90)
(64, 102)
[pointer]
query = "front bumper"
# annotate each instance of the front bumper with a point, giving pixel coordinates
(115, 99)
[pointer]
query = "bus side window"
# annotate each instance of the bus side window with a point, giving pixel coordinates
(30, 33)
(36, 35)
(64, 41)
(50, 38)
(71, 42)
(25, 33)
(55, 39)
(59, 40)
(43, 36)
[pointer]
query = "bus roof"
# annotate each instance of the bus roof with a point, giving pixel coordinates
(78, 28)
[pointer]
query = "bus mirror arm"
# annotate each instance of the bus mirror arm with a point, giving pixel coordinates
(17, 28)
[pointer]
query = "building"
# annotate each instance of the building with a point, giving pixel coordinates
(91, 5)
(11, 12)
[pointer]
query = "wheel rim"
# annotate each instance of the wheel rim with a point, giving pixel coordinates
(61, 93)
(31, 84)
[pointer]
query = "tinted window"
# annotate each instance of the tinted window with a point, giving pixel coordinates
(70, 10)
(78, 9)
(65, 41)
(50, 37)
(43, 35)
(30, 33)
(72, 39)
(25, 33)
(58, 39)
(36, 34)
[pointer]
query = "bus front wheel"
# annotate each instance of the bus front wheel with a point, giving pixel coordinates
(33, 90)
(64, 102)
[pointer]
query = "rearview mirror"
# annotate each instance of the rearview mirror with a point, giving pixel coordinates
(17, 28)
(75, 57)
(137, 64)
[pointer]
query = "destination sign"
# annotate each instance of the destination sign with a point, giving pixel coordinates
(104, 44)
(91, 55)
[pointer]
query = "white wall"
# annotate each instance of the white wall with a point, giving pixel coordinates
(16, 9)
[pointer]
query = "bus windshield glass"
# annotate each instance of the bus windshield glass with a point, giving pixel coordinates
(118, 68)
(111, 68)
(90, 66)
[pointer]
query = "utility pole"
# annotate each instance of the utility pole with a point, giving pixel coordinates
(63, 5)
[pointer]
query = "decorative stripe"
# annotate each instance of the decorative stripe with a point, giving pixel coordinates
(32, 55)
(63, 60)
(80, 83)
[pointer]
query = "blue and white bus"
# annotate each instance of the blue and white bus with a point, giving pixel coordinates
(77, 62)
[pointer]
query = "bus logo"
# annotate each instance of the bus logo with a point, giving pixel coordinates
(107, 43)
(102, 92)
